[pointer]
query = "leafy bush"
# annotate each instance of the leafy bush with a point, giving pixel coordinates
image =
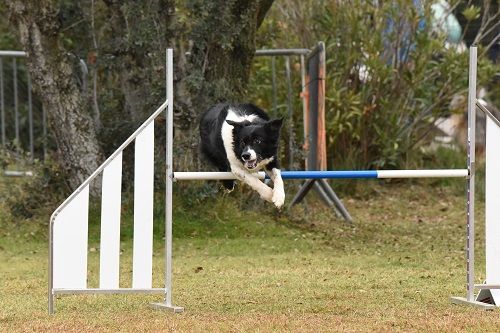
(25, 197)
(389, 75)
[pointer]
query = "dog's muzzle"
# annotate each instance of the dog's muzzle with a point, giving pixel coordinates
(250, 163)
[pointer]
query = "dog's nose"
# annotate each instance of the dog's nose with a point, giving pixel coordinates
(245, 156)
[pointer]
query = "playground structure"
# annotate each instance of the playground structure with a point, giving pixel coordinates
(68, 248)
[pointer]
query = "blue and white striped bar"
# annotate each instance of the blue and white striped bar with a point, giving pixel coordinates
(338, 174)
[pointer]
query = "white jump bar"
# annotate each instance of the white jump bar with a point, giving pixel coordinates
(445, 173)
(338, 174)
(209, 175)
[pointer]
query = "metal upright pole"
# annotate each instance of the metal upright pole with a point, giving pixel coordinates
(30, 119)
(168, 203)
(44, 132)
(303, 90)
(2, 103)
(169, 187)
(471, 169)
(290, 114)
(471, 165)
(273, 85)
(16, 110)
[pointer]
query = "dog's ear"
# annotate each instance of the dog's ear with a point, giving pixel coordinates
(275, 125)
(234, 123)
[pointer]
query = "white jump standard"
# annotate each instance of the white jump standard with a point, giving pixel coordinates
(68, 246)
(489, 290)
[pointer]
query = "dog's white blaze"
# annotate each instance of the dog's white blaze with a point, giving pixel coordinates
(253, 154)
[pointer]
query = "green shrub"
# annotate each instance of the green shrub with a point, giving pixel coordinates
(385, 86)
(30, 196)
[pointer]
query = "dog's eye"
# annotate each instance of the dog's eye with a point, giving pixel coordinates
(257, 141)
(242, 144)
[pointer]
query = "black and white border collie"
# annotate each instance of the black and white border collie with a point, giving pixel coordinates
(242, 139)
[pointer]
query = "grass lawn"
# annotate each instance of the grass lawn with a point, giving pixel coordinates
(303, 270)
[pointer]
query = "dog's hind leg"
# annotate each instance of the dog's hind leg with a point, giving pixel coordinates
(278, 188)
(228, 184)
(264, 191)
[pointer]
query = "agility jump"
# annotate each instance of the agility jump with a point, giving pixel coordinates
(68, 245)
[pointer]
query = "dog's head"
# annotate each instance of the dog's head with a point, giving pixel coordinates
(256, 144)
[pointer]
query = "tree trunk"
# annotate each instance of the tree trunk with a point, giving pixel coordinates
(54, 81)
(213, 56)
(217, 63)
(135, 36)
(222, 47)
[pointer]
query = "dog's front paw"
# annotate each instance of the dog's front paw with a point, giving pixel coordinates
(267, 194)
(278, 197)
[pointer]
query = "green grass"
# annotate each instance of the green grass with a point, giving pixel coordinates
(303, 270)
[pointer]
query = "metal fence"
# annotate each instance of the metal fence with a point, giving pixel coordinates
(23, 120)
(287, 54)
(312, 94)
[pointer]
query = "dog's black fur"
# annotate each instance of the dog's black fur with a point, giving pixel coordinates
(255, 138)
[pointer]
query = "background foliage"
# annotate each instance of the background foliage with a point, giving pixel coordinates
(385, 86)
(389, 74)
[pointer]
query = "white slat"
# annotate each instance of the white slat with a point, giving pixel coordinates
(143, 209)
(492, 207)
(70, 243)
(109, 273)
